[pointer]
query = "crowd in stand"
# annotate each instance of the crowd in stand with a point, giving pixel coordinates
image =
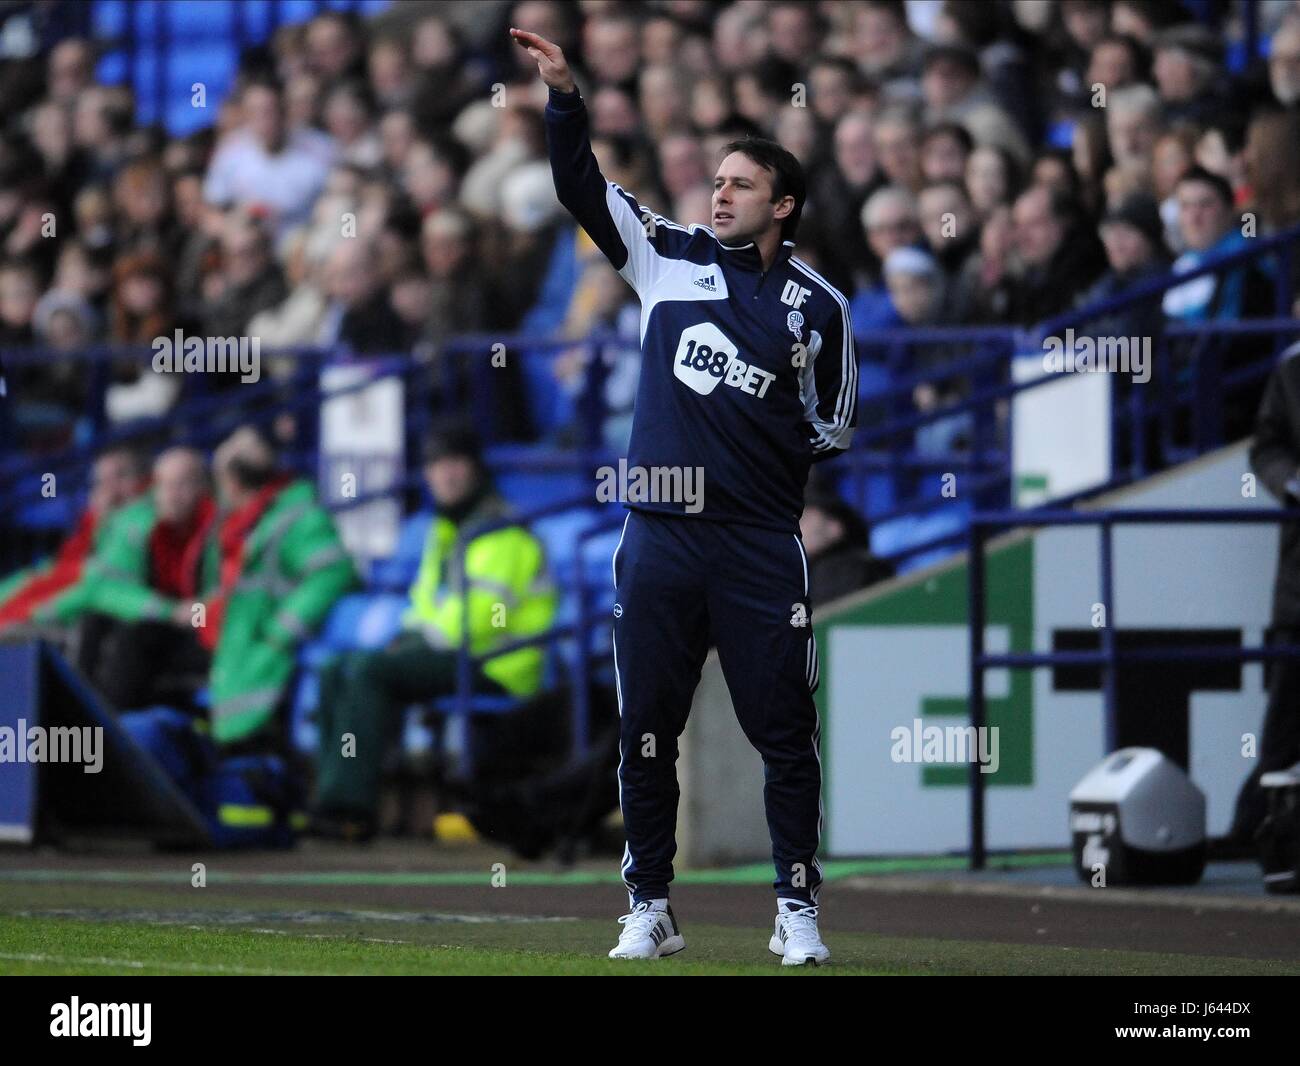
(381, 187)
(189, 588)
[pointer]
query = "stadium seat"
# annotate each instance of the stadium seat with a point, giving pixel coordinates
(363, 620)
(46, 514)
(397, 572)
(532, 476)
(550, 406)
(899, 534)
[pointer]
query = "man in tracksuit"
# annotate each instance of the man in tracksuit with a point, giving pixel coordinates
(748, 376)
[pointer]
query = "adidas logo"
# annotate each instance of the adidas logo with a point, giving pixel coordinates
(709, 283)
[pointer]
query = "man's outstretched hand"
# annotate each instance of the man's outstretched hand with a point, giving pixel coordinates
(551, 64)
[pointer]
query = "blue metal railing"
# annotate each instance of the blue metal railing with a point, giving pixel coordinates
(1109, 657)
(986, 357)
(437, 389)
(466, 362)
(582, 629)
(883, 448)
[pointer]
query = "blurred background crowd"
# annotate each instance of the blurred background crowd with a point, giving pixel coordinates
(380, 185)
(376, 184)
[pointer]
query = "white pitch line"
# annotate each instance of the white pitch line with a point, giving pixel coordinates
(147, 964)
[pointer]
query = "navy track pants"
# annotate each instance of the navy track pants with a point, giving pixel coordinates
(683, 585)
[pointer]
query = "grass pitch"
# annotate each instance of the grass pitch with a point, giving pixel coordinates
(69, 928)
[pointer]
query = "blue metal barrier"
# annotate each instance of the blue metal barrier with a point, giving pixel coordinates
(436, 388)
(466, 660)
(982, 524)
(883, 448)
(431, 391)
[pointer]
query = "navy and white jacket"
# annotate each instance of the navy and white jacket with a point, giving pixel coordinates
(746, 375)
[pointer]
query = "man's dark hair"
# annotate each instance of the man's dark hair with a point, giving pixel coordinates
(819, 20)
(774, 75)
(843, 64)
(1066, 207)
(1066, 159)
(21, 265)
(787, 175)
(1232, 127)
(1158, 13)
(348, 20)
(135, 458)
(250, 473)
(1207, 177)
(452, 437)
(955, 130)
(896, 9)
(262, 80)
(359, 91)
(964, 57)
(1137, 52)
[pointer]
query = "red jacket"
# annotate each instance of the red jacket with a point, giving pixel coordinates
(61, 574)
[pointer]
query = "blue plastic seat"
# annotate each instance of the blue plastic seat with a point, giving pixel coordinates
(530, 489)
(397, 572)
(362, 620)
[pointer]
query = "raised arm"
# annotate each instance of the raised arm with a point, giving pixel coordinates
(632, 237)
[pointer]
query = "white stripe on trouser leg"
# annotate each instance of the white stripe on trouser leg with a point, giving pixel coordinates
(810, 656)
(803, 556)
(613, 562)
(814, 675)
(618, 690)
(627, 847)
(817, 751)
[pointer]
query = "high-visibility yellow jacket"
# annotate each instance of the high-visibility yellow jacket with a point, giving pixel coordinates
(503, 594)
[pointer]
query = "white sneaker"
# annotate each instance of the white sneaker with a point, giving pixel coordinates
(796, 938)
(649, 932)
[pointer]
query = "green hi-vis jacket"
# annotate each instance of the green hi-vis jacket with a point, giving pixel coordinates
(294, 569)
(504, 594)
(115, 579)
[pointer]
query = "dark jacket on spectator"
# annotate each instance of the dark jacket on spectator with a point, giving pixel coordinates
(465, 303)
(843, 569)
(374, 328)
(229, 316)
(832, 223)
(1049, 290)
(847, 565)
(1142, 319)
